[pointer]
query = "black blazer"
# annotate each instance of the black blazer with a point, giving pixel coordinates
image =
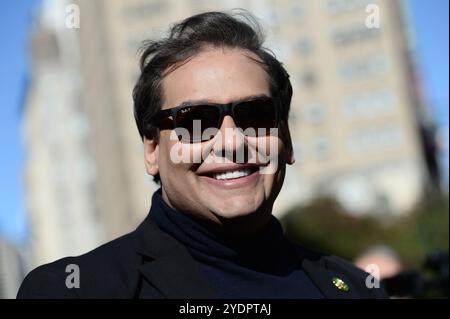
(148, 263)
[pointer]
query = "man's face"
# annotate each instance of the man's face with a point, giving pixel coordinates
(217, 75)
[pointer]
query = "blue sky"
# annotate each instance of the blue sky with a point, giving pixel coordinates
(15, 19)
(430, 24)
(430, 18)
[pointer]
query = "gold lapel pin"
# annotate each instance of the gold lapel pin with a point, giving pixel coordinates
(340, 284)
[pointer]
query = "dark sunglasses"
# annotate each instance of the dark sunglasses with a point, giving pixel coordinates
(256, 117)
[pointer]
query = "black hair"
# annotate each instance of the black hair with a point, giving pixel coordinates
(189, 37)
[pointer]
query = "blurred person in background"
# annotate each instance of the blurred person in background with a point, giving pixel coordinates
(385, 265)
(382, 259)
(210, 232)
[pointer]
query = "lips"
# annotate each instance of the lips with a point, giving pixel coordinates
(233, 174)
(230, 176)
(228, 171)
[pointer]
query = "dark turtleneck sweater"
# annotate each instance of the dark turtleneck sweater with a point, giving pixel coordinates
(264, 266)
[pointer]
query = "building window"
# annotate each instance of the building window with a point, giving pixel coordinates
(354, 34)
(368, 105)
(145, 9)
(297, 12)
(374, 139)
(294, 12)
(321, 149)
(309, 78)
(314, 114)
(134, 41)
(344, 6)
(304, 47)
(362, 68)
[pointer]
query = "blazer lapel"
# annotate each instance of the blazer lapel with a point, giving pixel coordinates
(323, 278)
(168, 266)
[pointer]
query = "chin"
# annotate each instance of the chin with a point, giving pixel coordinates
(237, 211)
(233, 214)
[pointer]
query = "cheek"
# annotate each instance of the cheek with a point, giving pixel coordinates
(177, 157)
(167, 162)
(273, 174)
(268, 150)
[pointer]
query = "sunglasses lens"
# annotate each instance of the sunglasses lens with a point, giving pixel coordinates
(199, 123)
(256, 117)
(193, 120)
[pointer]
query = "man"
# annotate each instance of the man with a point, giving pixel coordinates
(211, 106)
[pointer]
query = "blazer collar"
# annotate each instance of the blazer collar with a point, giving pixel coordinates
(168, 266)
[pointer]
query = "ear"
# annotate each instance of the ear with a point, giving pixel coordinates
(290, 159)
(151, 150)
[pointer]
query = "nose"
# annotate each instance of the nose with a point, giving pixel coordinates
(231, 142)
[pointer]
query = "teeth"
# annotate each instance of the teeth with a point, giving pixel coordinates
(233, 174)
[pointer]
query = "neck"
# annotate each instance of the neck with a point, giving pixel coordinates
(240, 227)
(249, 235)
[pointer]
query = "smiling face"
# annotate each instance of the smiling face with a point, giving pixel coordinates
(215, 189)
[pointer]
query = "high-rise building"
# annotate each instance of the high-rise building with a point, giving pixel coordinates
(356, 114)
(11, 270)
(60, 175)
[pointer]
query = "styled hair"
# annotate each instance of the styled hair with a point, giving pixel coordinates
(189, 37)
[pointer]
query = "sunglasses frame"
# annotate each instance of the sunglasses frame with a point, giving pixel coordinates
(224, 109)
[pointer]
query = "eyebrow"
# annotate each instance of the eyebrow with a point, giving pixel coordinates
(208, 101)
